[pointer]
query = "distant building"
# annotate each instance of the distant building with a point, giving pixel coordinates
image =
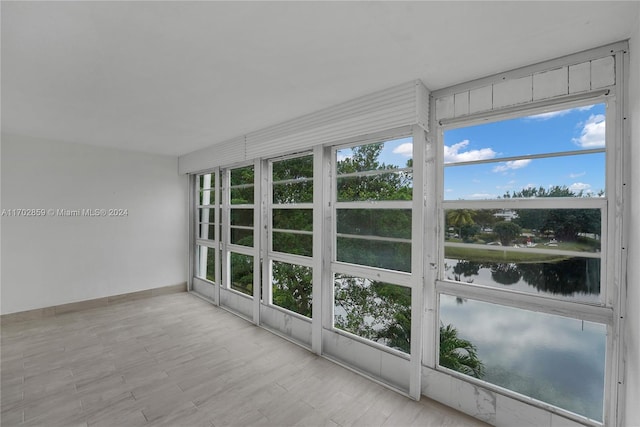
(506, 214)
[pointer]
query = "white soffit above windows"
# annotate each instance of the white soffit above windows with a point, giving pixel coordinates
(402, 105)
(573, 76)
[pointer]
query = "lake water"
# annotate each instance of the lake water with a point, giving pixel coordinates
(575, 279)
(551, 358)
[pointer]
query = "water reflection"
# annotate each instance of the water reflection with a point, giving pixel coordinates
(550, 358)
(574, 278)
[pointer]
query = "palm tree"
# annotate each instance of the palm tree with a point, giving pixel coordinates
(459, 218)
(459, 354)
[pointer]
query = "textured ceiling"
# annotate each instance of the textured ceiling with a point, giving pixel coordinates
(173, 77)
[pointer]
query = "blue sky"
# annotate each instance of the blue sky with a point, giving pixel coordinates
(574, 129)
(395, 152)
(566, 130)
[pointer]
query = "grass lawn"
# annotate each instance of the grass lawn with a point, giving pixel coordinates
(485, 255)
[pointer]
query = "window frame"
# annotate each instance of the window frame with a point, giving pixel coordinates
(215, 242)
(602, 312)
(283, 257)
(392, 276)
(412, 279)
(227, 247)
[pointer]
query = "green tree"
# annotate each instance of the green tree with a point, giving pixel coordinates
(485, 218)
(505, 273)
(459, 354)
(374, 310)
(292, 287)
(507, 231)
(292, 183)
(554, 191)
(384, 186)
(469, 232)
(459, 218)
(385, 183)
(241, 193)
(464, 268)
(242, 273)
(564, 224)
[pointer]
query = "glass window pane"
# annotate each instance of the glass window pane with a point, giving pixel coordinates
(575, 279)
(207, 231)
(241, 273)
(530, 270)
(293, 192)
(207, 215)
(207, 197)
(375, 222)
(554, 359)
(242, 196)
(290, 243)
(375, 253)
(241, 176)
(568, 176)
(242, 217)
(293, 219)
(292, 287)
(383, 186)
(206, 181)
(205, 258)
(296, 168)
(556, 229)
(242, 236)
(377, 311)
(571, 129)
(395, 154)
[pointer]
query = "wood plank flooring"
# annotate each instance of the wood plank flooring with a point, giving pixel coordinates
(175, 360)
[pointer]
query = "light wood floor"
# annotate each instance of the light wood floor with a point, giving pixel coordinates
(175, 360)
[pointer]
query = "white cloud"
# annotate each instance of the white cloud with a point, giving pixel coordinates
(511, 165)
(579, 186)
(577, 175)
(454, 154)
(553, 114)
(593, 133)
(405, 149)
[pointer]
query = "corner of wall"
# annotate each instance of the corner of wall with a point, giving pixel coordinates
(108, 222)
(630, 411)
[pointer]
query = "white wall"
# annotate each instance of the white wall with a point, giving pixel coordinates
(56, 260)
(632, 338)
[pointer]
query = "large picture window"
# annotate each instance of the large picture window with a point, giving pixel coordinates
(523, 217)
(373, 193)
(207, 226)
(374, 190)
(291, 233)
(474, 252)
(240, 210)
(554, 359)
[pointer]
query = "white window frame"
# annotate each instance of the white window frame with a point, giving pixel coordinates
(215, 242)
(271, 255)
(604, 311)
(414, 279)
(227, 246)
